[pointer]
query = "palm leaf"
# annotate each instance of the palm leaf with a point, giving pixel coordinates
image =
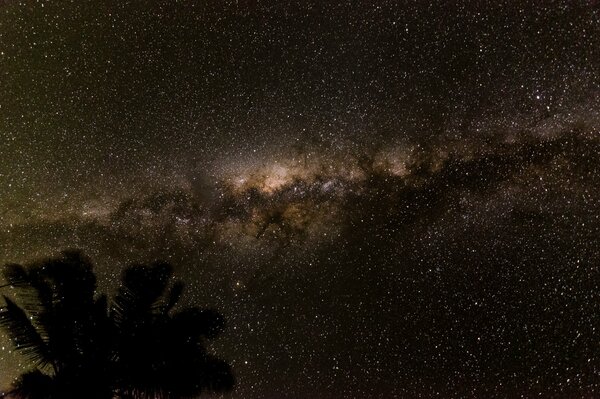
(15, 275)
(174, 295)
(72, 278)
(31, 288)
(34, 293)
(142, 288)
(217, 375)
(23, 334)
(33, 384)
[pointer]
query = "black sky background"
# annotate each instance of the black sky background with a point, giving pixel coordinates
(386, 199)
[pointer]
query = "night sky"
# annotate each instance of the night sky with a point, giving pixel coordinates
(386, 199)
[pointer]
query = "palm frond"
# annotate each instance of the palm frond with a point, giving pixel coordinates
(35, 293)
(217, 375)
(15, 275)
(71, 277)
(142, 288)
(23, 334)
(33, 384)
(35, 297)
(174, 295)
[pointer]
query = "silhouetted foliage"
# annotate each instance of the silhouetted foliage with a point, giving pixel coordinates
(83, 346)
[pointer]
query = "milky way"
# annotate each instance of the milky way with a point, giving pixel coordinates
(384, 200)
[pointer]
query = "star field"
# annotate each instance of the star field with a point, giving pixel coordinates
(385, 199)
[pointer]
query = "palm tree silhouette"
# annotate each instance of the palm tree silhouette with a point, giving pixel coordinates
(160, 353)
(60, 328)
(82, 346)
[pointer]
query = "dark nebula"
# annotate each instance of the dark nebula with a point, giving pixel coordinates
(385, 199)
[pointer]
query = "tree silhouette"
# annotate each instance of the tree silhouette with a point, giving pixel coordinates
(160, 352)
(135, 347)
